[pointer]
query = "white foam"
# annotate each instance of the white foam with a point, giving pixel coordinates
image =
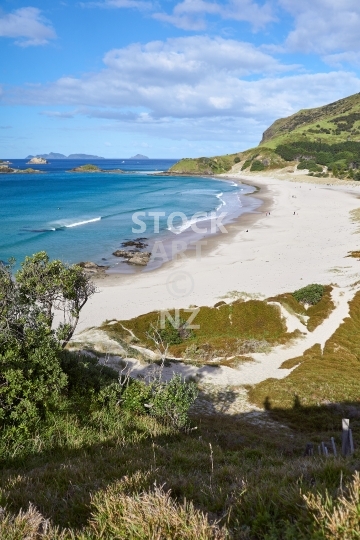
(82, 222)
(223, 203)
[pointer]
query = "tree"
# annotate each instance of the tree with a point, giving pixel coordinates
(41, 288)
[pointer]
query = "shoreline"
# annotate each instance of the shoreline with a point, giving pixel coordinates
(280, 253)
(186, 243)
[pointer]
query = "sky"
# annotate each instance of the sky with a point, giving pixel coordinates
(167, 78)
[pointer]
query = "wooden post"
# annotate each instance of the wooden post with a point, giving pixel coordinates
(333, 446)
(323, 448)
(309, 450)
(347, 447)
(351, 442)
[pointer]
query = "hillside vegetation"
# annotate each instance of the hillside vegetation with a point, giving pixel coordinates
(332, 123)
(323, 140)
(88, 455)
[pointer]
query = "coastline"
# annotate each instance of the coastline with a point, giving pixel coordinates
(185, 243)
(279, 253)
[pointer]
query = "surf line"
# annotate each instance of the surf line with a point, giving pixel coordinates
(82, 223)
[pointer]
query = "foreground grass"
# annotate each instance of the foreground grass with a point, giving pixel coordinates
(121, 476)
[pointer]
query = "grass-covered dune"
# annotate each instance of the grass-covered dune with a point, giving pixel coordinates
(228, 330)
(321, 381)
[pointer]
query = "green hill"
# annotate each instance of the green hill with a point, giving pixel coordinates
(332, 123)
(321, 140)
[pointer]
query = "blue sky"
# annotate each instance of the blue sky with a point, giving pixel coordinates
(167, 78)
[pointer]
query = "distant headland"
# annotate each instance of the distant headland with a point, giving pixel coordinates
(55, 155)
(139, 156)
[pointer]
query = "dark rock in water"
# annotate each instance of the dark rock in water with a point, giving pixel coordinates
(135, 243)
(138, 258)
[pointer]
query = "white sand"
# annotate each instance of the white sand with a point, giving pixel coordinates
(281, 252)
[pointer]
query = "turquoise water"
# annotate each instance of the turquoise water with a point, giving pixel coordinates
(86, 216)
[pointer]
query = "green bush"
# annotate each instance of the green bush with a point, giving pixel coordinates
(257, 166)
(310, 165)
(135, 396)
(169, 402)
(246, 164)
(311, 294)
(174, 334)
(172, 400)
(237, 159)
(31, 382)
(85, 374)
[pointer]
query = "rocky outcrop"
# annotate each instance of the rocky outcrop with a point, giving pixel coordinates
(93, 269)
(138, 258)
(7, 169)
(89, 168)
(37, 161)
(137, 243)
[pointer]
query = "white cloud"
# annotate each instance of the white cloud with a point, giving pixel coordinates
(324, 26)
(191, 14)
(188, 88)
(128, 4)
(28, 25)
(59, 114)
(338, 60)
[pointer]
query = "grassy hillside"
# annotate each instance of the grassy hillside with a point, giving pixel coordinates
(204, 165)
(102, 468)
(333, 131)
(332, 123)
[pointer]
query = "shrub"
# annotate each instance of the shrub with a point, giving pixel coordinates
(310, 165)
(246, 164)
(257, 166)
(169, 402)
(135, 396)
(30, 383)
(311, 294)
(85, 374)
(237, 159)
(174, 334)
(172, 400)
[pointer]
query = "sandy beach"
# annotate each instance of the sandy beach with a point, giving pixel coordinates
(301, 234)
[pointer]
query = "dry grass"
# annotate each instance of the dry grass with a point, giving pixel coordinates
(338, 518)
(150, 515)
(27, 525)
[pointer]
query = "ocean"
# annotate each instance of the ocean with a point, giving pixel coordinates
(85, 216)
